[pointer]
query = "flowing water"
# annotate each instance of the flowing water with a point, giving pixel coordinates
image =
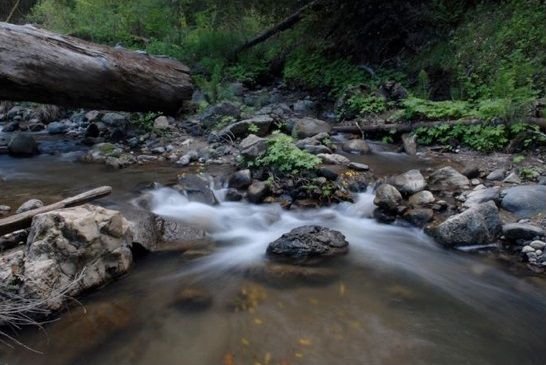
(396, 298)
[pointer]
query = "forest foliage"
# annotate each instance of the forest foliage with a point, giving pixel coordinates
(475, 58)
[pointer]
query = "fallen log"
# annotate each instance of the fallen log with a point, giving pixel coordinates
(41, 66)
(23, 220)
(397, 128)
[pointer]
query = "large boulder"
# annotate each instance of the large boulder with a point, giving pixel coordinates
(307, 245)
(214, 114)
(253, 146)
(448, 178)
(75, 249)
(410, 182)
(240, 179)
(309, 127)
(478, 225)
(387, 197)
(525, 201)
(22, 145)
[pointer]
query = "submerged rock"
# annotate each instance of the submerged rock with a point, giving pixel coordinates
(192, 299)
(308, 244)
(478, 225)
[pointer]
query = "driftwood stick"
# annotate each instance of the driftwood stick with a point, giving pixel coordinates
(23, 220)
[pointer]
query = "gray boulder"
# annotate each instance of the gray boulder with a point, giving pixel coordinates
(309, 127)
(30, 205)
(356, 146)
(387, 197)
(307, 245)
(421, 198)
(257, 192)
(196, 188)
(478, 225)
(496, 175)
(57, 127)
(448, 178)
(253, 146)
(22, 145)
(419, 217)
(481, 196)
(410, 182)
(525, 201)
(334, 159)
(214, 114)
(240, 179)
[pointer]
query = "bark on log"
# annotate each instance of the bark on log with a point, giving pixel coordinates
(37, 65)
(23, 220)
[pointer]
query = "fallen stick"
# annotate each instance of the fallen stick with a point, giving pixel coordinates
(23, 220)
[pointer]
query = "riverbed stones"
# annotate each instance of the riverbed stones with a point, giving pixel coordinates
(421, 198)
(448, 178)
(257, 192)
(253, 146)
(75, 249)
(215, 113)
(522, 231)
(356, 146)
(309, 127)
(197, 188)
(387, 197)
(333, 159)
(410, 182)
(162, 123)
(482, 195)
(496, 175)
(259, 125)
(240, 179)
(57, 127)
(478, 225)
(525, 201)
(30, 205)
(22, 145)
(308, 245)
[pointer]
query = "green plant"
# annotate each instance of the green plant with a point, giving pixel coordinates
(282, 156)
(144, 121)
(518, 159)
(253, 128)
(529, 173)
(416, 108)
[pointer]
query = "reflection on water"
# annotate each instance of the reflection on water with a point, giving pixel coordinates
(396, 298)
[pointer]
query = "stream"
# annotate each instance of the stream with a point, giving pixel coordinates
(396, 298)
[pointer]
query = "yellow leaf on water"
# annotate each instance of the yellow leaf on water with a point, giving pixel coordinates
(298, 355)
(305, 342)
(229, 359)
(342, 289)
(244, 341)
(267, 358)
(258, 321)
(313, 301)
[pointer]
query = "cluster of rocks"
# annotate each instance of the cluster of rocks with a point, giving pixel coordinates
(471, 209)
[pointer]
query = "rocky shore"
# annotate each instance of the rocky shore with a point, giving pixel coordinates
(471, 201)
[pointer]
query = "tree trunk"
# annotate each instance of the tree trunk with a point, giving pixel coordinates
(40, 66)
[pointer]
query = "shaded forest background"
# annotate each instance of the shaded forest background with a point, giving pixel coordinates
(484, 58)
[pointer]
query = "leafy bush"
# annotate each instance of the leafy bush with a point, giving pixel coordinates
(282, 156)
(416, 108)
(481, 137)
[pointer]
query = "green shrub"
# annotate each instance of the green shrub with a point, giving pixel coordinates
(283, 157)
(416, 108)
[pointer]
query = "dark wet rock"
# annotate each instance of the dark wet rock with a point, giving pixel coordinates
(304, 107)
(387, 197)
(496, 175)
(188, 158)
(409, 144)
(22, 145)
(525, 201)
(11, 127)
(471, 172)
(279, 274)
(36, 127)
(478, 225)
(330, 172)
(175, 235)
(482, 195)
(419, 217)
(13, 239)
(421, 198)
(30, 205)
(334, 159)
(196, 188)
(57, 127)
(385, 216)
(410, 182)
(309, 127)
(358, 166)
(115, 120)
(257, 192)
(356, 146)
(233, 195)
(253, 146)
(448, 178)
(308, 244)
(317, 149)
(240, 179)
(92, 131)
(522, 231)
(259, 125)
(542, 180)
(192, 299)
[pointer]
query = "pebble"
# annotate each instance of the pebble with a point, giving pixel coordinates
(527, 249)
(538, 245)
(475, 181)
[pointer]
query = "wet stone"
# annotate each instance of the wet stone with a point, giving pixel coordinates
(192, 299)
